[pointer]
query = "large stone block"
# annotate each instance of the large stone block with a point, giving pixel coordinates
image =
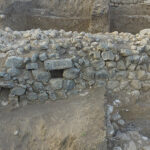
(14, 61)
(58, 64)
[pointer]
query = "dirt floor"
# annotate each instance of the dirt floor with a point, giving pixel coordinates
(77, 123)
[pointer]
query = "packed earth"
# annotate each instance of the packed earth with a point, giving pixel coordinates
(47, 65)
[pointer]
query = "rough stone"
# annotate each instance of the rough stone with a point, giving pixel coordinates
(18, 91)
(34, 58)
(108, 55)
(14, 61)
(32, 66)
(113, 84)
(71, 73)
(56, 84)
(146, 148)
(43, 96)
(103, 74)
(132, 146)
(43, 56)
(32, 96)
(136, 84)
(41, 76)
(68, 85)
(58, 64)
(38, 86)
(121, 65)
(126, 52)
(13, 72)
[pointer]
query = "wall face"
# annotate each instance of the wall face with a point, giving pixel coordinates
(130, 16)
(79, 15)
(43, 65)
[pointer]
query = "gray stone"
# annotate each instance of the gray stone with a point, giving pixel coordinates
(13, 72)
(116, 116)
(131, 146)
(141, 75)
(34, 58)
(41, 76)
(43, 56)
(58, 64)
(38, 86)
(52, 95)
(111, 64)
(56, 84)
(113, 84)
(68, 85)
(121, 65)
(26, 60)
(89, 73)
(43, 96)
(32, 96)
(43, 45)
(71, 73)
(18, 91)
(146, 147)
(144, 59)
(2, 74)
(108, 55)
(14, 61)
(31, 66)
(117, 148)
(136, 84)
(132, 59)
(98, 64)
(6, 84)
(126, 52)
(103, 74)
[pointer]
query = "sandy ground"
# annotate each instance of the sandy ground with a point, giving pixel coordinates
(77, 123)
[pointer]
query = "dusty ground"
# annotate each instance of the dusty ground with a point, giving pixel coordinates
(74, 124)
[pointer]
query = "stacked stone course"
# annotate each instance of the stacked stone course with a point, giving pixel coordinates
(51, 64)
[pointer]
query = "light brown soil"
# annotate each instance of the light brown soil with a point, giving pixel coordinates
(77, 123)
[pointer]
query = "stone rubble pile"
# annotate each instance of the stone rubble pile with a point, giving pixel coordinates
(122, 138)
(51, 64)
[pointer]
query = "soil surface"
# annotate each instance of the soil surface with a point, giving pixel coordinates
(77, 123)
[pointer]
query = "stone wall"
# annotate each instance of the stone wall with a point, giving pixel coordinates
(51, 64)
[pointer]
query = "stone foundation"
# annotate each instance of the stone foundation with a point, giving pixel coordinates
(47, 65)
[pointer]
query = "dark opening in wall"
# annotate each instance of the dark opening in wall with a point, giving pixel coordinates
(57, 73)
(4, 93)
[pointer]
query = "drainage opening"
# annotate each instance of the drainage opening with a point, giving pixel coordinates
(4, 92)
(57, 73)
